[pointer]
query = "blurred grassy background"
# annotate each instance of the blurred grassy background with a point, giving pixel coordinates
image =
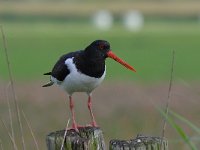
(39, 32)
(47, 30)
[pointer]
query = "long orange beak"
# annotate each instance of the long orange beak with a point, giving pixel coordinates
(113, 56)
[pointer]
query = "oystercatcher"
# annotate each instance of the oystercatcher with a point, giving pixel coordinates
(83, 71)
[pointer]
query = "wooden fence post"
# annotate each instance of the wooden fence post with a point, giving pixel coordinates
(88, 138)
(140, 143)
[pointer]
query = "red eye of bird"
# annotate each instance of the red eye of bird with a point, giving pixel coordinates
(101, 46)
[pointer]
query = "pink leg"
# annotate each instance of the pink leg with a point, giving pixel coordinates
(71, 104)
(94, 124)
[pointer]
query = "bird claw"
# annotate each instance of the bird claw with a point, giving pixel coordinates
(74, 127)
(93, 124)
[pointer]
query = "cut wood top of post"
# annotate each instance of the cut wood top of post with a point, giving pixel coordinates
(88, 138)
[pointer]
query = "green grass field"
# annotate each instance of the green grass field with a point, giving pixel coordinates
(35, 47)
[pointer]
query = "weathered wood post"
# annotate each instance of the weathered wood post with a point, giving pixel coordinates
(89, 138)
(141, 142)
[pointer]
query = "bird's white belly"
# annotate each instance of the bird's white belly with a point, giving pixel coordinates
(78, 82)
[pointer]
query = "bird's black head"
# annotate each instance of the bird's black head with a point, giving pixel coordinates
(98, 49)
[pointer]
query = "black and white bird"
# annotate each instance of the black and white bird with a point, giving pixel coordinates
(83, 71)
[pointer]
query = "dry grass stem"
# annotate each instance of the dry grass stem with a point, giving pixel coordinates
(31, 130)
(169, 94)
(10, 136)
(12, 86)
(10, 112)
(1, 145)
(65, 134)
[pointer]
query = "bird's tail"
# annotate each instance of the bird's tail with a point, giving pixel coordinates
(48, 84)
(48, 73)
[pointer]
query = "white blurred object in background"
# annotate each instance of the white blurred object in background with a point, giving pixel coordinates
(103, 20)
(133, 20)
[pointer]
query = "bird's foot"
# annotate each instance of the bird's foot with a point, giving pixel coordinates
(93, 124)
(74, 127)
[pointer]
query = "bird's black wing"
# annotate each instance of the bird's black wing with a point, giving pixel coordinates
(60, 69)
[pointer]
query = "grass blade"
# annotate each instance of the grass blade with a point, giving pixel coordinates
(10, 112)
(190, 124)
(179, 130)
(1, 145)
(30, 128)
(65, 134)
(10, 136)
(12, 87)
(184, 136)
(169, 94)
